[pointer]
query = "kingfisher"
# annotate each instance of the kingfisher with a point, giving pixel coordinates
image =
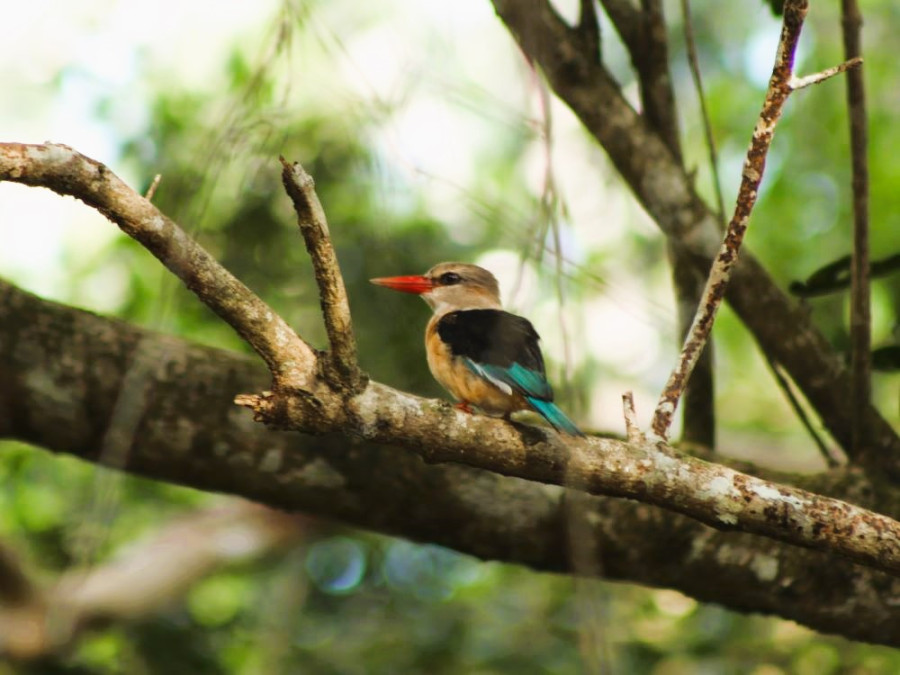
(481, 354)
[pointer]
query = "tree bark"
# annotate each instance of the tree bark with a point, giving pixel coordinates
(61, 372)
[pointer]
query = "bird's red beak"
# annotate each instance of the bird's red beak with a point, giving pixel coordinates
(412, 284)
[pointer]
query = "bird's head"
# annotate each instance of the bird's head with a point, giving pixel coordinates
(450, 286)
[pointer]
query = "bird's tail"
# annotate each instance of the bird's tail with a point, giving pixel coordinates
(556, 417)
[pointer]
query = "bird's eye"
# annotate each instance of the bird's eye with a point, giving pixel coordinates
(449, 278)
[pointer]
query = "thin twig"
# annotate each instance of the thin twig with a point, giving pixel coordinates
(342, 359)
(632, 430)
(694, 64)
(830, 460)
(860, 310)
(836, 276)
(816, 78)
(152, 189)
(754, 166)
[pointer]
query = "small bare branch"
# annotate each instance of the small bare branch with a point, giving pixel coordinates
(784, 384)
(342, 366)
(754, 166)
(632, 431)
(860, 269)
(816, 78)
(67, 172)
(836, 276)
(152, 189)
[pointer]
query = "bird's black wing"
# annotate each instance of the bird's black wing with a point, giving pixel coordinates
(500, 346)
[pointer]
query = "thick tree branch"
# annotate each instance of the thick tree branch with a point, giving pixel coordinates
(52, 395)
(782, 328)
(715, 495)
(342, 366)
(67, 172)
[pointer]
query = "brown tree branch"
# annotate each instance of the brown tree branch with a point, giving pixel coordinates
(342, 366)
(392, 491)
(860, 310)
(627, 19)
(68, 172)
(782, 328)
(715, 495)
(835, 276)
(143, 579)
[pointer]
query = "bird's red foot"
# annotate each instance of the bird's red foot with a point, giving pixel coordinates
(464, 406)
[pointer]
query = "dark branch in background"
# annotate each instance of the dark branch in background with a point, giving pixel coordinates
(830, 460)
(821, 76)
(628, 22)
(860, 311)
(835, 276)
(341, 360)
(390, 490)
(68, 172)
(648, 48)
(783, 329)
(589, 27)
(694, 65)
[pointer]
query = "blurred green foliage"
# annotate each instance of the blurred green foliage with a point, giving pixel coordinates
(351, 602)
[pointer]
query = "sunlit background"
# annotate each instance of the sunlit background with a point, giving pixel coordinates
(430, 138)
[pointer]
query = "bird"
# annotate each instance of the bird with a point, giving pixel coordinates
(484, 356)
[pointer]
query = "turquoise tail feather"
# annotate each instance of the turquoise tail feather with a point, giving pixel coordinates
(556, 417)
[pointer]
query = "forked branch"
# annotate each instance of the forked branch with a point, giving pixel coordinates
(67, 172)
(781, 84)
(342, 361)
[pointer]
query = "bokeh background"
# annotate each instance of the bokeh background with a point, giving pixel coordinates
(430, 139)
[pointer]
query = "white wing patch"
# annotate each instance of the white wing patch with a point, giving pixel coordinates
(502, 386)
